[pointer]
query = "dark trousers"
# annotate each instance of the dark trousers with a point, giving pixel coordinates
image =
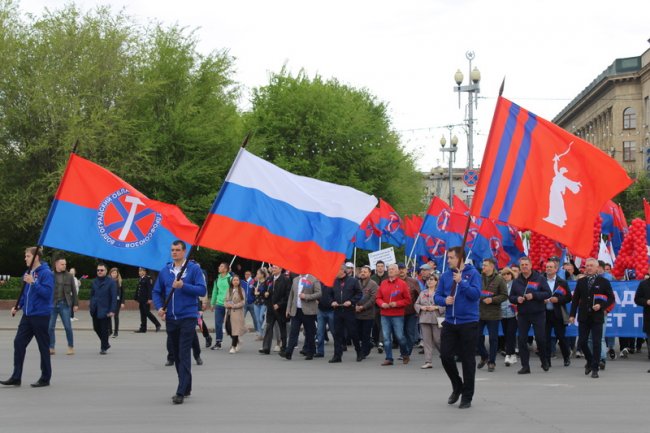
(377, 333)
(30, 327)
(509, 327)
(344, 321)
(182, 333)
(556, 324)
(196, 348)
(101, 327)
(309, 322)
(538, 322)
(273, 316)
(145, 313)
(459, 340)
(364, 328)
(493, 333)
(596, 330)
(116, 319)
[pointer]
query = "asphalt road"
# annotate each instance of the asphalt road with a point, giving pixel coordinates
(130, 390)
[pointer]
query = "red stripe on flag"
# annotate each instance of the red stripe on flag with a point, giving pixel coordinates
(257, 243)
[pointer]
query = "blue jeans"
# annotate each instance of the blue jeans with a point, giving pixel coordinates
(250, 308)
(259, 312)
(219, 316)
(393, 325)
(493, 334)
(61, 308)
(411, 331)
(324, 317)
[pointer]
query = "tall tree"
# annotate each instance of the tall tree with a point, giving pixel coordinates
(333, 132)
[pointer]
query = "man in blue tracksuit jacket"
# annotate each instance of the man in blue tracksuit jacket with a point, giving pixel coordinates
(459, 291)
(181, 314)
(36, 302)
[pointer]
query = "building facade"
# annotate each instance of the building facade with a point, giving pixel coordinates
(613, 112)
(436, 184)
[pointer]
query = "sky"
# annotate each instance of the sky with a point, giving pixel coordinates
(406, 52)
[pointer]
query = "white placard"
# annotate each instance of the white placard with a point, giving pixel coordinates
(387, 255)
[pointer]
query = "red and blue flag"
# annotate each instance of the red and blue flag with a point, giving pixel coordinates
(537, 176)
(390, 225)
(368, 235)
(97, 214)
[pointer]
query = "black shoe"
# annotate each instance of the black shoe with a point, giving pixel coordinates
(359, 356)
(421, 351)
(187, 394)
(178, 399)
(611, 353)
(594, 374)
(491, 367)
(587, 369)
(288, 356)
(567, 362)
(103, 352)
(465, 404)
(217, 346)
(319, 355)
(264, 351)
(10, 382)
(169, 363)
(157, 328)
(208, 341)
(115, 335)
(334, 360)
(546, 366)
(482, 363)
(140, 331)
(283, 354)
(303, 353)
(199, 361)
(524, 370)
(453, 398)
(40, 383)
(309, 357)
(601, 365)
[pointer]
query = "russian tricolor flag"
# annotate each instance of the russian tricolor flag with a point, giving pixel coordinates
(97, 214)
(268, 214)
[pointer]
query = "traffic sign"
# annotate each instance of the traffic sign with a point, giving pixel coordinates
(470, 177)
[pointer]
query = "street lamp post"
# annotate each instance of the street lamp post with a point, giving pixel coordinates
(472, 88)
(453, 140)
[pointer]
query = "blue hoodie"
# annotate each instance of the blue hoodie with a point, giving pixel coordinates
(468, 295)
(38, 298)
(184, 300)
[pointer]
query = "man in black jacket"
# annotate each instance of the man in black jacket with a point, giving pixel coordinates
(591, 298)
(346, 293)
(528, 293)
(143, 296)
(278, 287)
(642, 299)
(556, 313)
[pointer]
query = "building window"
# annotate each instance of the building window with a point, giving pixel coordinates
(629, 118)
(628, 151)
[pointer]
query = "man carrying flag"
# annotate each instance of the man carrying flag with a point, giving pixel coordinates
(188, 285)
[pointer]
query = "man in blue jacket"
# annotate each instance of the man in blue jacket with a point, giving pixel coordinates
(181, 313)
(103, 305)
(460, 291)
(36, 302)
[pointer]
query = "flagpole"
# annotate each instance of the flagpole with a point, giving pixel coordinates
(200, 232)
(354, 270)
(45, 225)
(232, 261)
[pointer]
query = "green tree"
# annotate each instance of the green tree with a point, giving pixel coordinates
(141, 101)
(631, 200)
(333, 132)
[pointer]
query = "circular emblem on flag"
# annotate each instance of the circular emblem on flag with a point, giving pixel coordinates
(495, 246)
(470, 177)
(443, 219)
(125, 221)
(472, 233)
(393, 223)
(435, 247)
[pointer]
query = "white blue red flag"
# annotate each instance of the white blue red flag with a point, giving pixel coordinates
(268, 214)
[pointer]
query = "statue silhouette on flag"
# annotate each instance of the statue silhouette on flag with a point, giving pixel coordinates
(556, 211)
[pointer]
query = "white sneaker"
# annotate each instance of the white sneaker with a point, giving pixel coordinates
(276, 348)
(513, 359)
(427, 365)
(624, 353)
(232, 350)
(237, 347)
(508, 360)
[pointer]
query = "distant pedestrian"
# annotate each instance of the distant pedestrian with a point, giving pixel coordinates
(234, 303)
(114, 273)
(103, 304)
(143, 297)
(65, 303)
(430, 317)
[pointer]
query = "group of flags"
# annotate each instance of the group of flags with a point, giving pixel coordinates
(534, 175)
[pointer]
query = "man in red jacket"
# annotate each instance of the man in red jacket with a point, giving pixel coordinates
(393, 295)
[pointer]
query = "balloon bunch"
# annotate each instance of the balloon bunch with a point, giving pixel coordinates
(598, 227)
(634, 252)
(541, 249)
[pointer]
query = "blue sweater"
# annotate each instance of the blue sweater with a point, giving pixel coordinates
(468, 295)
(184, 300)
(38, 297)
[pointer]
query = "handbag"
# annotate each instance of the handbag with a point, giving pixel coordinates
(565, 315)
(228, 326)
